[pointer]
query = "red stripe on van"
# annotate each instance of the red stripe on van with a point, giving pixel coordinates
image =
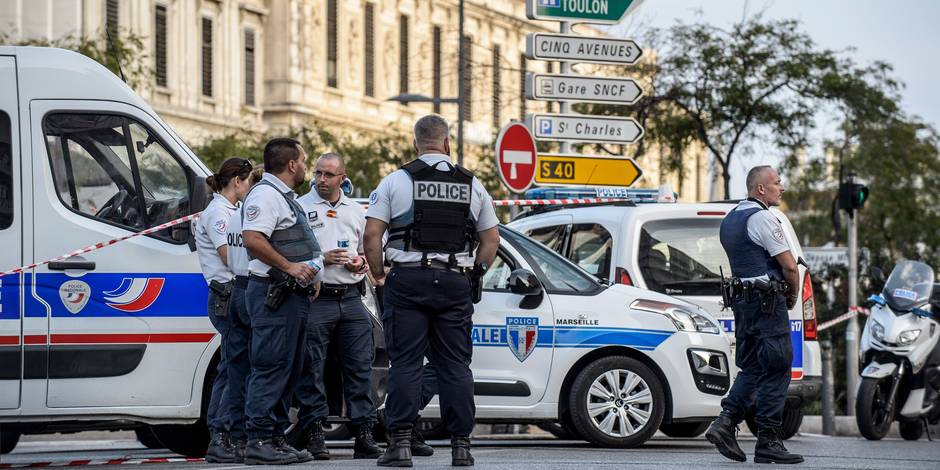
(34, 339)
(132, 338)
(9, 340)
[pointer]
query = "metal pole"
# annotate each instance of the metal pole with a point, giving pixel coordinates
(851, 329)
(565, 107)
(461, 66)
(828, 395)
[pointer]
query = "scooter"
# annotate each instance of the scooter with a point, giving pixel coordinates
(900, 347)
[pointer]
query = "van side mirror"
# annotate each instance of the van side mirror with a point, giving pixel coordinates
(523, 282)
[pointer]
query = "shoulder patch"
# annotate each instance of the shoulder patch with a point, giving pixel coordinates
(252, 212)
(374, 197)
(219, 226)
(778, 234)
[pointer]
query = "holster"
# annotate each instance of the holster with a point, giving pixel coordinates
(361, 287)
(476, 283)
(277, 289)
(223, 293)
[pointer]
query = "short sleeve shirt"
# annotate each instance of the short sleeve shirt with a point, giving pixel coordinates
(266, 211)
(210, 232)
(765, 229)
(339, 226)
(237, 254)
(394, 197)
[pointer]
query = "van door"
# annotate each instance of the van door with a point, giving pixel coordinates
(127, 324)
(11, 256)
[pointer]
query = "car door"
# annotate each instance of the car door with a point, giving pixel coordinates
(125, 325)
(11, 256)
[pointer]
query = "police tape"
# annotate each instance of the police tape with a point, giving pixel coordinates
(853, 312)
(166, 225)
(90, 462)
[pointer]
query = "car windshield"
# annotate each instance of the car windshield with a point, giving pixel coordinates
(909, 285)
(559, 274)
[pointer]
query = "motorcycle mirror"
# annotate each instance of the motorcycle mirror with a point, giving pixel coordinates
(877, 274)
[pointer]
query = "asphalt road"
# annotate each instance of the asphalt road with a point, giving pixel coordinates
(660, 453)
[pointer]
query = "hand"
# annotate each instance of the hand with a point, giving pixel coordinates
(337, 256)
(301, 271)
(355, 265)
(378, 278)
(316, 294)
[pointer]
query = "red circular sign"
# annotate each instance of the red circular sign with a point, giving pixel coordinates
(515, 157)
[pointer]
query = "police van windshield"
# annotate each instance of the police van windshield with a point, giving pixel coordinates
(559, 274)
(681, 256)
(909, 285)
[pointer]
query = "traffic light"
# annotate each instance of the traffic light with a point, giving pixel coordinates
(852, 196)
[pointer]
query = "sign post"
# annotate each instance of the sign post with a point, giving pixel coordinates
(515, 157)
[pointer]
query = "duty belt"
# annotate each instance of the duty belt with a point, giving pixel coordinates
(241, 282)
(433, 264)
(735, 289)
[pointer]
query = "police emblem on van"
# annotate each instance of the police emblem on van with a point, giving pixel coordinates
(74, 295)
(522, 336)
(134, 294)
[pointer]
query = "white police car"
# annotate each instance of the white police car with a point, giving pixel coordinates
(612, 363)
(672, 249)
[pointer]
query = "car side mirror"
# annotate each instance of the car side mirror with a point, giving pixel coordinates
(524, 282)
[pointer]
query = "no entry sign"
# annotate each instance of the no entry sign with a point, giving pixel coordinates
(515, 157)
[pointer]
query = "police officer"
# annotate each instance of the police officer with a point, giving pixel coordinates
(761, 291)
(228, 185)
(285, 259)
(435, 213)
(239, 335)
(338, 313)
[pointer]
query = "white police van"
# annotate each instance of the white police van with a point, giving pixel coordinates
(118, 336)
(672, 248)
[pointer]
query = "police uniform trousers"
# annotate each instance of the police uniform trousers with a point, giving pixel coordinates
(344, 322)
(428, 311)
(763, 354)
(276, 355)
(236, 348)
(217, 415)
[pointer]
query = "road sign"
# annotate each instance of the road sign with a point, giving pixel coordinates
(549, 87)
(584, 128)
(515, 157)
(818, 257)
(585, 11)
(544, 46)
(585, 170)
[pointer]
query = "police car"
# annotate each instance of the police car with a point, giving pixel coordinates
(652, 242)
(612, 363)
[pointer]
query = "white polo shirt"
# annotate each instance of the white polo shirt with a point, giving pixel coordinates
(766, 230)
(395, 197)
(335, 225)
(237, 253)
(210, 231)
(267, 211)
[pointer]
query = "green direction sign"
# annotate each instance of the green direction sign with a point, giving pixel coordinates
(585, 11)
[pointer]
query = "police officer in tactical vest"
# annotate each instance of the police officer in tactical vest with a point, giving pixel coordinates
(761, 291)
(442, 236)
(285, 260)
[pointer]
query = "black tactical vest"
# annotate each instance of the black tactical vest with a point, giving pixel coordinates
(296, 243)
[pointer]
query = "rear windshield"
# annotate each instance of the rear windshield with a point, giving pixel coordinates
(681, 256)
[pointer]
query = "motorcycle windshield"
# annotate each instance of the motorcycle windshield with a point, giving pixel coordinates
(909, 285)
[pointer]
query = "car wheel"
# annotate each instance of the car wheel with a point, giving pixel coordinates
(616, 401)
(8, 441)
(146, 437)
(684, 429)
(433, 429)
(558, 430)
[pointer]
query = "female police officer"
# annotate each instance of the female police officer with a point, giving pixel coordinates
(229, 185)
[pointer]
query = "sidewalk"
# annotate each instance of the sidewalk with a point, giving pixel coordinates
(846, 426)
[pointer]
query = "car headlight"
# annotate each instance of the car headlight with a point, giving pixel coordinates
(683, 317)
(877, 331)
(908, 337)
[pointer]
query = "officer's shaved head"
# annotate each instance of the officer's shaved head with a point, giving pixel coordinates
(764, 184)
(758, 175)
(431, 133)
(341, 165)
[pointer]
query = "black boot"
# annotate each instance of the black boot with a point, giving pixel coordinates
(418, 446)
(316, 442)
(238, 447)
(220, 449)
(460, 452)
(722, 433)
(365, 447)
(281, 443)
(398, 453)
(264, 452)
(770, 449)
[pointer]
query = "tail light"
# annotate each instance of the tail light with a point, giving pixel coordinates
(622, 277)
(809, 309)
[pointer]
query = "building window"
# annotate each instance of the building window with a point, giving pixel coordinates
(436, 85)
(207, 57)
(370, 49)
(496, 87)
(159, 46)
(467, 79)
(112, 14)
(403, 51)
(249, 67)
(523, 69)
(331, 43)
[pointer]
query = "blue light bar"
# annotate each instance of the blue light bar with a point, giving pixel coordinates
(636, 195)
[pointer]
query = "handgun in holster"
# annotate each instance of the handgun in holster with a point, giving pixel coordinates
(476, 283)
(277, 289)
(223, 293)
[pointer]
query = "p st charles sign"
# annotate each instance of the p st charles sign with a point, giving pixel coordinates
(584, 128)
(580, 11)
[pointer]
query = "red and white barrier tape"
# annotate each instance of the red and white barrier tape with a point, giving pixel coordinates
(120, 461)
(853, 312)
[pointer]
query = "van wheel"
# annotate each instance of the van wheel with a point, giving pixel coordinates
(684, 429)
(8, 441)
(146, 437)
(616, 401)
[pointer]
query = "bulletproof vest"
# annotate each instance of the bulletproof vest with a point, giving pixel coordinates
(296, 243)
(747, 259)
(440, 219)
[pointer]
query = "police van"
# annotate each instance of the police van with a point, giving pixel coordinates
(651, 241)
(118, 336)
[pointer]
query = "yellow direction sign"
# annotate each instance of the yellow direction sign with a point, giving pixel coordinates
(585, 170)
